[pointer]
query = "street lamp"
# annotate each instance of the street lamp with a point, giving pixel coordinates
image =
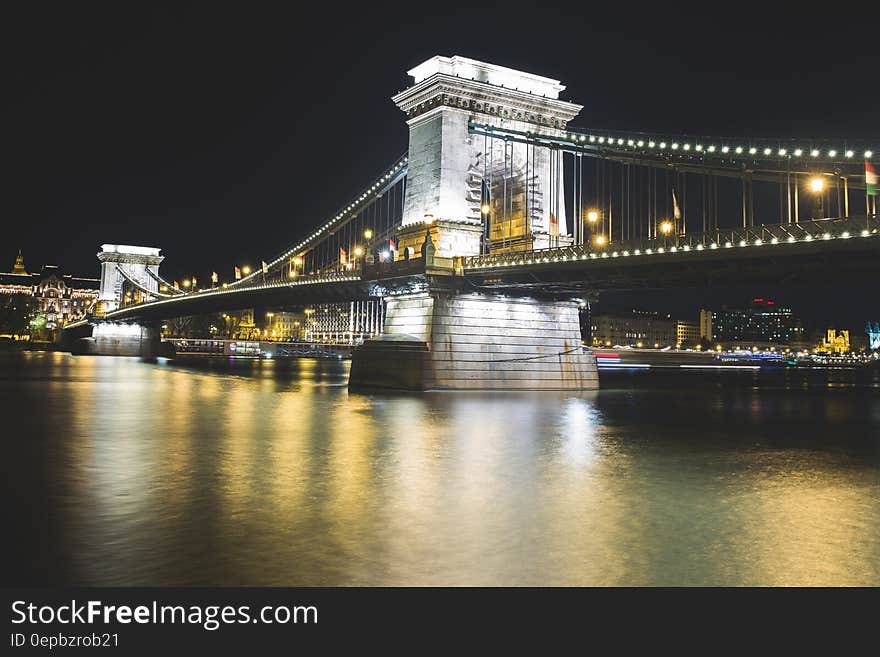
(368, 234)
(245, 270)
(593, 216)
(296, 262)
(485, 208)
(817, 186)
(665, 228)
(600, 240)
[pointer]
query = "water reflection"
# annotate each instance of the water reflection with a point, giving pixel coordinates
(127, 473)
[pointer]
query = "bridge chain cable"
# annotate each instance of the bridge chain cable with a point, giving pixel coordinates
(316, 246)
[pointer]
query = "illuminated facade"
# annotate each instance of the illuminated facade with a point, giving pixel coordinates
(764, 321)
(873, 332)
(835, 342)
(687, 333)
(59, 298)
(284, 325)
(639, 329)
(343, 322)
(326, 322)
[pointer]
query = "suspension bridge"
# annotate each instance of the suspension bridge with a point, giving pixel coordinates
(477, 247)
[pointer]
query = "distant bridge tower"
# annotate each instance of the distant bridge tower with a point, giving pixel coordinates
(873, 332)
(452, 172)
(138, 265)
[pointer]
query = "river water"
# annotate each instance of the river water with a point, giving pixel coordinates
(119, 472)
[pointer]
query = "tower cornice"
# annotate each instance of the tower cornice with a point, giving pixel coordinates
(484, 99)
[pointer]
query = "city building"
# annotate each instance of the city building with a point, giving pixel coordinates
(637, 329)
(284, 325)
(764, 322)
(687, 334)
(58, 298)
(343, 322)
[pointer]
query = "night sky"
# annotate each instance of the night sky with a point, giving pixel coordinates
(222, 134)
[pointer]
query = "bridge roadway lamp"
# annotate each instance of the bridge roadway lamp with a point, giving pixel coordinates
(666, 228)
(592, 218)
(368, 234)
(485, 208)
(245, 270)
(817, 186)
(296, 262)
(600, 240)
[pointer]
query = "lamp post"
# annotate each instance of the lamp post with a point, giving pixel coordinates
(296, 262)
(485, 209)
(665, 228)
(817, 186)
(592, 219)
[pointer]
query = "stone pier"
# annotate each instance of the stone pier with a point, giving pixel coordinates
(117, 339)
(476, 341)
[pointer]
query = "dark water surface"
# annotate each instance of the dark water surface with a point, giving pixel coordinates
(118, 472)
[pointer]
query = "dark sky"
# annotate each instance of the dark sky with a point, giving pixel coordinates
(221, 133)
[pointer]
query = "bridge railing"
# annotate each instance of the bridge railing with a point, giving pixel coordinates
(804, 231)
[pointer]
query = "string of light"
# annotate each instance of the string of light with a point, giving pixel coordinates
(211, 293)
(703, 147)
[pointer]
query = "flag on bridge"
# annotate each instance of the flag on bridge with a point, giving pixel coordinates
(176, 285)
(214, 277)
(392, 244)
(194, 281)
(237, 274)
(554, 224)
(870, 180)
(265, 267)
(343, 260)
(676, 211)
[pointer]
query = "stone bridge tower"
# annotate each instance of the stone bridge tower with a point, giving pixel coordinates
(447, 336)
(139, 265)
(450, 168)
